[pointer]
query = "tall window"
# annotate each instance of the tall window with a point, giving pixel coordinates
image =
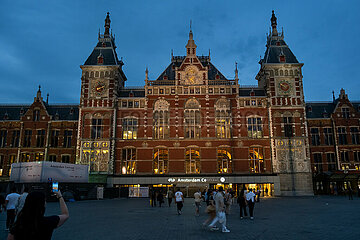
(2, 164)
(255, 129)
(357, 156)
(224, 160)
(130, 127)
(328, 135)
(96, 128)
(128, 161)
(342, 135)
(15, 139)
(54, 138)
(345, 112)
(315, 136)
(288, 127)
(40, 138)
(67, 138)
(256, 158)
(192, 160)
(330, 157)
(52, 158)
(12, 159)
(161, 119)
(27, 138)
(318, 166)
(36, 115)
(3, 135)
(25, 157)
(65, 158)
(354, 131)
(223, 119)
(160, 161)
(39, 156)
(192, 119)
(344, 156)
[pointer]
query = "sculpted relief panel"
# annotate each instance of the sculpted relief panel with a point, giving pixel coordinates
(290, 156)
(96, 155)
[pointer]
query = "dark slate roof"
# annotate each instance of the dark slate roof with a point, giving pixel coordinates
(12, 112)
(246, 92)
(63, 112)
(106, 47)
(324, 109)
(177, 61)
(124, 93)
(58, 112)
(275, 47)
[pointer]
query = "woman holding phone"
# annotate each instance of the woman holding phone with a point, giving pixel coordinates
(31, 222)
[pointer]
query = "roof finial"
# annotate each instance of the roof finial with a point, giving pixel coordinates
(146, 75)
(236, 72)
(274, 24)
(191, 33)
(172, 53)
(191, 46)
(333, 95)
(107, 25)
(47, 98)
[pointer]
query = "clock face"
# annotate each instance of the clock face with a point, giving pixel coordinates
(191, 75)
(99, 88)
(285, 87)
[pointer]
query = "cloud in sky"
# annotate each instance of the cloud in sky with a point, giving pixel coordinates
(45, 42)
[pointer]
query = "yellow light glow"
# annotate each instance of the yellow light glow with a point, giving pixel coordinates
(124, 170)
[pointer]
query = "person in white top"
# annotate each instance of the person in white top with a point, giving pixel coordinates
(179, 199)
(250, 198)
(220, 212)
(197, 197)
(10, 202)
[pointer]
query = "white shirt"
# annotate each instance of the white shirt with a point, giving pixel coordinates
(197, 197)
(178, 196)
(250, 196)
(12, 198)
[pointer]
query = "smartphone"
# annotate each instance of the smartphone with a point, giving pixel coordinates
(55, 186)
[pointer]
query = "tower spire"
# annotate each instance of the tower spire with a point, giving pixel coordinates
(191, 46)
(236, 72)
(274, 24)
(107, 25)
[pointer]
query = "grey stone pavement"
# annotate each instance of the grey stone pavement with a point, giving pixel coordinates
(319, 217)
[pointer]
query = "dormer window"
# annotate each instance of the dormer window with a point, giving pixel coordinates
(165, 77)
(345, 112)
(103, 44)
(282, 58)
(100, 59)
(36, 115)
(131, 94)
(71, 111)
(309, 109)
(252, 93)
(217, 76)
(278, 43)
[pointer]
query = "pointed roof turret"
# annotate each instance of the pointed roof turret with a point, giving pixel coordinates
(277, 51)
(107, 25)
(274, 24)
(191, 46)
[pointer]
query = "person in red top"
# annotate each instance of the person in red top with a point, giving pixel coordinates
(31, 222)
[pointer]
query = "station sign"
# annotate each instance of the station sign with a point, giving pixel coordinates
(197, 180)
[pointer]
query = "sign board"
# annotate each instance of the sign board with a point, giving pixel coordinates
(44, 171)
(203, 180)
(138, 192)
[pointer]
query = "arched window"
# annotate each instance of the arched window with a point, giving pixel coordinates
(222, 119)
(128, 164)
(192, 160)
(256, 158)
(160, 161)
(161, 119)
(224, 160)
(192, 119)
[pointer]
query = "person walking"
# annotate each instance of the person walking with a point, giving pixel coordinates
(250, 198)
(10, 202)
(220, 212)
(21, 200)
(228, 201)
(242, 204)
(179, 199)
(160, 198)
(31, 223)
(153, 197)
(170, 196)
(197, 197)
(350, 191)
(210, 209)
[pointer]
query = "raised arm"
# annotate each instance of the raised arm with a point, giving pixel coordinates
(64, 210)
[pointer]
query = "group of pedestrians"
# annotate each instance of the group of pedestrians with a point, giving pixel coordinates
(25, 215)
(246, 200)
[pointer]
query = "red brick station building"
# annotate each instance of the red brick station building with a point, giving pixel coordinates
(192, 127)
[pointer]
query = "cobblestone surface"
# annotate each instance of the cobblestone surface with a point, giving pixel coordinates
(275, 218)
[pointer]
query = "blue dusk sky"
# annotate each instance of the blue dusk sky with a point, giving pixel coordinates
(44, 42)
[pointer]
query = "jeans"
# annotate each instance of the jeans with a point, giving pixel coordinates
(243, 209)
(216, 219)
(251, 208)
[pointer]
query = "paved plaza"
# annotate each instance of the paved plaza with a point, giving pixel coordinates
(319, 217)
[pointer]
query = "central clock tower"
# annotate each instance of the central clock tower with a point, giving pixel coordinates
(102, 79)
(281, 76)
